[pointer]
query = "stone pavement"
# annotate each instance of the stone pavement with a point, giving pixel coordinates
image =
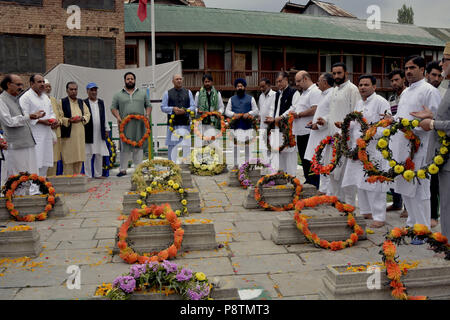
(248, 258)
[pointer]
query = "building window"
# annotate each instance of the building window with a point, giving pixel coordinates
(25, 2)
(90, 52)
(91, 4)
(22, 54)
(131, 54)
(190, 59)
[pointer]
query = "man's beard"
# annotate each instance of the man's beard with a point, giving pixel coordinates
(130, 85)
(240, 92)
(339, 81)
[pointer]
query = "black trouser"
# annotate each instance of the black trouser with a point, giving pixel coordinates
(396, 199)
(434, 189)
(302, 143)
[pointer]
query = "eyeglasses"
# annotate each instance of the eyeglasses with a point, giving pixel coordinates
(445, 59)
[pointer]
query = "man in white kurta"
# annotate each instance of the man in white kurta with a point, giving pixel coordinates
(32, 101)
(265, 101)
(371, 196)
(98, 147)
(343, 101)
(318, 132)
(420, 93)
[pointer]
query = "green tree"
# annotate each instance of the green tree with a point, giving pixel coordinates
(405, 15)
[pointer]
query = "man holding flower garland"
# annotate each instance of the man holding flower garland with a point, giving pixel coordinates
(440, 122)
(208, 99)
(416, 197)
(179, 104)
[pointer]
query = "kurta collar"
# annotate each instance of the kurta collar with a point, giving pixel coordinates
(370, 98)
(327, 91)
(417, 83)
(309, 89)
(342, 86)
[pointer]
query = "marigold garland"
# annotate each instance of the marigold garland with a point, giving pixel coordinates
(259, 196)
(44, 186)
(191, 115)
(129, 255)
(244, 169)
(396, 236)
(230, 125)
(223, 126)
(318, 168)
(343, 146)
(112, 149)
(285, 125)
(302, 222)
(207, 161)
(125, 122)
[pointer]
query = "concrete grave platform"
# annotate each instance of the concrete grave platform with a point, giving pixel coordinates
(20, 243)
(430, 278)
(233, 180)
(186, 180)
(33, 205)
(170, 197)
(278, 195)
(197, 236)
(75, 184)
(330, 227)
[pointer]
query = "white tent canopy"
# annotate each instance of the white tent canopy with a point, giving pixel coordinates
(110, 81)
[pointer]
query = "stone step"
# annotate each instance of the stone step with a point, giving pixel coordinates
(33, 205)
(186, 180)
(76, 184)
(233, 180)
(335, 228)
(277, 196)
(20, 243)
(430, 278)
(216, 294)
(170, 197)
(197, 236)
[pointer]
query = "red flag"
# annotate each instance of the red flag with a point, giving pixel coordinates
(142, 10)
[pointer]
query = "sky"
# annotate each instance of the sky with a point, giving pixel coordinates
(427, 13)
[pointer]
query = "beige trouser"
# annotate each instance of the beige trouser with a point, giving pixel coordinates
(72, 168)
(52, 170)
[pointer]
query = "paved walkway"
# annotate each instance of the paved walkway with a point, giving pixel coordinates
(248, 259)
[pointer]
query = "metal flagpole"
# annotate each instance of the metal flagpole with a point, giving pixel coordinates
(153, 83)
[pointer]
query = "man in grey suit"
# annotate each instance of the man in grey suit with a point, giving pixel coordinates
(440, 123)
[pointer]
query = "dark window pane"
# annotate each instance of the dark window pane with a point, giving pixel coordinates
(90, 4)
(26, 2)
(22, 54)
(131, 54)
(90, 52)
(190, 59)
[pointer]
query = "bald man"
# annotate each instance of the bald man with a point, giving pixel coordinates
(131, 100)
(178, 103)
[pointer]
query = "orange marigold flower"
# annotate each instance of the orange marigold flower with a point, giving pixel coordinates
(417, 297)
(358, 230)
(389, 248)
(396, 233)
(172, 251)
(351, 222)
(439, 237)
(393, 270)
(336, 245)
(361, 143)
(143, 259)
(163, 255)
(122, 244)
(324, 244)
(409, 164)
(354, 237)
(420, 229)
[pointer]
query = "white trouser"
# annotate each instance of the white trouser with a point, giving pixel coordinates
(172, 151)
(43, 171)
(138, 156)
(347, 194)
(98, 165)
(419, 211)
(372, 202)
(324, 183)
(285, 161)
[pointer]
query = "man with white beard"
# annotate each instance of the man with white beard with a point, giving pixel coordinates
(318, 132)
(371, 196)
(343, 101)
(32, 101)
(416, 197)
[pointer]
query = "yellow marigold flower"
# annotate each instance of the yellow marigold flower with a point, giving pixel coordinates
(200, 276)
(382, 143)
(420, 229)
(170, 121)
(441, 133)
(170, 182)
(421, 174)
(149, 189)
(405, 122)
(409, 175)
(438, 160)
(387, 132)
(139, 201)
(399, 169)
(143, 206)
(392, 163)
(143, 194)
(172, 116)
(178, 213)
(171, 129)
(154, 183)
(385, 154)
(163, 216)
(446, 143)
(204, 167)
(443, 150)
(175, 186)
(415, 123)
(184, 202)
(181, 191)
(433, 169)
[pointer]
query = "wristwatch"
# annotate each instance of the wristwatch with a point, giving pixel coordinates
(432, 125)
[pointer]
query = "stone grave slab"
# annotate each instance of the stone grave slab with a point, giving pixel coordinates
(277, 195)
(233, 181)
(20, 243)
(75, 184)
(430, 278)
(33, 205)
(198, 235)
(186, 182)
(326, 221)
(170, 197)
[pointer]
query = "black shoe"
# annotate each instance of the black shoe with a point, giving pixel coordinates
(121, 174)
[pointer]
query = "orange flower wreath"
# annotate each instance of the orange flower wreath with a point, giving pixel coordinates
(46, 187)
(125, 122)
(302, 223)
(223, 126)
(129, 255)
